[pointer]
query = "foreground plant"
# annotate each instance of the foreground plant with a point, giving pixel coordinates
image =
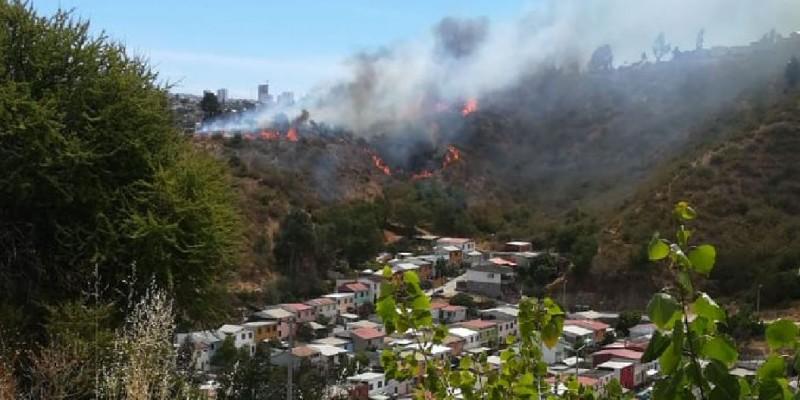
(695, 358)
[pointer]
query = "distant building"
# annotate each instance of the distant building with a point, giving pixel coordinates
(222, 95)
(263, 94)
(490, 280)
(286, 99)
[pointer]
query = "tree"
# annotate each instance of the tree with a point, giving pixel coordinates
(627, 320)
(96, 178)
(227, 355)
(602, 59)
(210, 105)
(660, 47)
(792, 72)
(295, 250)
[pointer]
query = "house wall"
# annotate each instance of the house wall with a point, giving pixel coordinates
(483, 277)
(494, 290)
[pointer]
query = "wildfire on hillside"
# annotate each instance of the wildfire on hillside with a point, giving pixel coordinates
(469, 107)
(269, 135)
(381, 165)
(452, 155)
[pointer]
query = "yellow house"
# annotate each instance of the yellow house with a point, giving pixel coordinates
(262, 330)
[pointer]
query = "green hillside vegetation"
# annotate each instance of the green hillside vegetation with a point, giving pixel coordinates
(749, 186)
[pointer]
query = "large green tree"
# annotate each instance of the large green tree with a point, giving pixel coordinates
(97, 186)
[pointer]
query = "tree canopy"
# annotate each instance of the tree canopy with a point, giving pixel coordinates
(96, 180)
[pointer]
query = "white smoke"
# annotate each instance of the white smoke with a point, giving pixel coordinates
(460, 59)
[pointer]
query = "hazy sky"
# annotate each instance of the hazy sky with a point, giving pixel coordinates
(237, 44)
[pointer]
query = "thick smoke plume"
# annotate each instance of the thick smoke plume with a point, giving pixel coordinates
(460, 59)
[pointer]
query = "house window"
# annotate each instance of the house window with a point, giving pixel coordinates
(244, 336)
(490, 275)
(370, 386)
(380, 385)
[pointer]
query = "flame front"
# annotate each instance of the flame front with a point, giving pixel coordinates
(292, 135)
(452, 155)
(381, 165)
(422, 175)
(269, 135)
(469, 107)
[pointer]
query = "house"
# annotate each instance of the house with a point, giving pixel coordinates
(360, 291)
(296, 356)
(463, 244)
(371, 279)
(506, 318)
(597, 379)
(641, 330)
(364, 324)
(283, 318)
(324, 307)
(263, 330)
(370, 382)
(302, 312)
(334, 341)
(455, 343)
(557, 353)
(435, 351)
(610, 318)
(642, 371)
(242, 338)
(598, 328)
(367, 339)
(345, 302)
(204, 345)
(623, 371)
(445, 313)
(576, 334)
(470, 337)
(453, 254)
(487, 331)
(518, 247)
(330, 356)
(490, 280)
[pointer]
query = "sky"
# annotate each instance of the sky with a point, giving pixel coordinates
(294, 45)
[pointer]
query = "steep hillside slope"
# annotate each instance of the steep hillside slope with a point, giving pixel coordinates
(747, 190)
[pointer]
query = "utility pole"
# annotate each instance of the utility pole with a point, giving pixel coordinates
(564, 294)
(289, 386)
(758, 299)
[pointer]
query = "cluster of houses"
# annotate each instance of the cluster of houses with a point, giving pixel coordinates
(341, 330)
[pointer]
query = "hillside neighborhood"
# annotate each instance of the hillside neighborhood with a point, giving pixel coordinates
(339, 328)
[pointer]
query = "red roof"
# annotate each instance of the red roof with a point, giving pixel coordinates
(621, 353)
(635, 344)
(588, 324)
(502, 261)
(322, 301)
(354, 287)
(478, 324)
(438, 304)
(296, 307)
(367, 333)
(454, 308)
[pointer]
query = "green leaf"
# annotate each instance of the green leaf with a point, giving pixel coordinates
(773, 368)
(707, 308)
(671, 357)
(703, 258)
(658, 343)
(663, 310)
(411, 278)
(685, 281)
(726, 386)
(721, 349)
(781, 333)
(657, 249)
(774, 389)
(684, 211)
(551, 332)
(668, 387)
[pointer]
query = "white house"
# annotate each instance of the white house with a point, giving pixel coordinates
(572, 334)
(464, 244)
(471, 338)
(242, 338)
(506, 318)
(374, 381)
(489, 279)
(344, 301)
(326, 307)
(333, 341)
(556, 354)
(204, 343)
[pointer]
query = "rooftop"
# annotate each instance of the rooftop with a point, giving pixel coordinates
(588, 324)
(273, 313)
(615, 365)
(621, 353)
(367, 333)
(331, 341)
(296, 307)
(450, 248)
(327, 350)
(354, 287)
(320, 301)
(230, 329)
(456, 241)
(577, 330)
(366, 376)
(338, 295)
(256, 324)
(453, 308)
(518, 243)
(364, 324)
(478, 324)
(462, 332)
(304, 351)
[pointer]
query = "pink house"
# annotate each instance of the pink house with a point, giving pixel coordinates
(302, 312)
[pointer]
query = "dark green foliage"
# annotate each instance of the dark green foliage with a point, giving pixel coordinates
(627, 320)
(227, 355)
(295, 251)
(352, 231)
(577, 238)
(96, 175)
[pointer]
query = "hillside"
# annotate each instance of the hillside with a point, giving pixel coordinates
(746, 189)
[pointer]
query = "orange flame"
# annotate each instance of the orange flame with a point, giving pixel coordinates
(422, 175)
(269, 135)
(452, 155)
(469, 107)
(292, 135)
(381, 165)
